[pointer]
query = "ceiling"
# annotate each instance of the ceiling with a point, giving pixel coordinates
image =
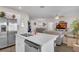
(47, 11)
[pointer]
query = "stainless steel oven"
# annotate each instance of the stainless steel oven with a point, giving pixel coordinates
(31, 46)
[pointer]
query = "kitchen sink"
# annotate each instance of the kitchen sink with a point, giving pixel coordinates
(26, 35)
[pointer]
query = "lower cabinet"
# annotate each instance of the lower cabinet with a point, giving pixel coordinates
(20, 44)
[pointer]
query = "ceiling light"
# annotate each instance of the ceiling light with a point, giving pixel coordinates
(57, 17)
(19, 7)
(42, 6)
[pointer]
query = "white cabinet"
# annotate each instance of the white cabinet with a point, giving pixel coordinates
(36, 43)
(20, 44)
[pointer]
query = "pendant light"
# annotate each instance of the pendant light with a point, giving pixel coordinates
(57, 17)
(42, 6)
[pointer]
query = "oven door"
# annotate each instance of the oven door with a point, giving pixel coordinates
(31, 47)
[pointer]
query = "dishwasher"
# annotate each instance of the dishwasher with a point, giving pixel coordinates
(31, 46)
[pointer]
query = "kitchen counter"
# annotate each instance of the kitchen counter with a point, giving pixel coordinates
(46, 41)
(41, 38)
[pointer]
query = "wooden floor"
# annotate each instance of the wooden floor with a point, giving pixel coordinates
(8, 49)
(62, 48)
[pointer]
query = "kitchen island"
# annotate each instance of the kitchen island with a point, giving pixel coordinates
(39, 42)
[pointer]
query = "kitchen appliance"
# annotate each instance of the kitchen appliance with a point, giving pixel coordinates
(3, 32)
(7, 32)
(3, 24)
(3, 39)
(31, 46)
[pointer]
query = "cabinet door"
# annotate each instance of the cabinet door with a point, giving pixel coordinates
(11, 38)
(20, 44)
(3, 42)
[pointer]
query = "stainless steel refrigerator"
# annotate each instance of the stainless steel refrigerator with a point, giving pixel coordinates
(8, 30)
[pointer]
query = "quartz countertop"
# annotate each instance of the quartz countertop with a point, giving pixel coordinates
(40, 38)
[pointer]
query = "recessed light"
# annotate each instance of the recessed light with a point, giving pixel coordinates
(19, 7)
(42, 6)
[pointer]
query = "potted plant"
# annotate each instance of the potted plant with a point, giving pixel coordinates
(2, 14)
(75, 27)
